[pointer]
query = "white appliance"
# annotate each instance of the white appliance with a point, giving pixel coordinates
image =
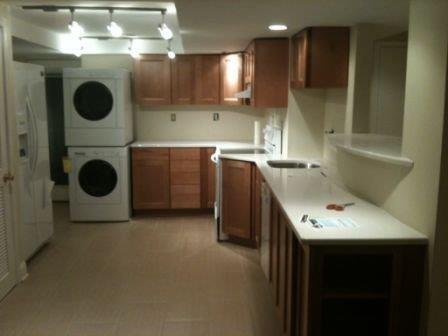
(272, 146)
(34, 173)
(99, 184)
(97, 107)
(265, 228)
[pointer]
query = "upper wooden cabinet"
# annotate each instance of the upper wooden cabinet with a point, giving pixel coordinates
(320, 58)
(266, 64)
(231, 78)
(183, 80)
(152, 76)
(206, 79)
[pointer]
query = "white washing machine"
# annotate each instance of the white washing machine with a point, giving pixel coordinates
(99, 184)
(97, 107)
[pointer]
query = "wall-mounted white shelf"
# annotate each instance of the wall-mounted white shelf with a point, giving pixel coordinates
(372, 146)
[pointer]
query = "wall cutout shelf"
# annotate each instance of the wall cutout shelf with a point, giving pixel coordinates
(378, 147)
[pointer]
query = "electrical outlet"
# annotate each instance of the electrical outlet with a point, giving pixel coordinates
(173, 116)
(215, 116)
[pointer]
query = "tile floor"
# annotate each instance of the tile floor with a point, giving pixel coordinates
(152, 276)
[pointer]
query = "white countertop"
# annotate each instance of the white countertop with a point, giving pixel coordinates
(379, 147)
(219, 144)
(307, 191)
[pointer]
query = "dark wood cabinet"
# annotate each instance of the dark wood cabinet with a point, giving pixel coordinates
(236, 203)
(207, 79)
(185, 170)
(326, 290)
(266, 64)
(150, 178)
(319, 58)
(152, 76)
(208, 178)
(241, 205)
(182, 80)
(231, 78)
(173, 178)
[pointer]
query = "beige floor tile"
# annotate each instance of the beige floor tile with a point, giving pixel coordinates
(151, 276)
(92, 329)
(185, 328)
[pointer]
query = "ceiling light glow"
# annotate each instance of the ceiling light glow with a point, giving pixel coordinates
(133, 50)
(75, 28)
(278, 27)
(171, 54)
(165, 31)
(114, 29)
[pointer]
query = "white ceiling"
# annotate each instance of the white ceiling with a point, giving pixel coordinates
(226, 25)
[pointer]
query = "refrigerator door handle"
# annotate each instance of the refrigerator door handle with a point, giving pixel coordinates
(35, 138)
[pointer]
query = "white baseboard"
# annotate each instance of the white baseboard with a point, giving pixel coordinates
(60, 193)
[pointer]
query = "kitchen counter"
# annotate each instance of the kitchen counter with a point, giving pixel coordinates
(219, 144)
(308, 191)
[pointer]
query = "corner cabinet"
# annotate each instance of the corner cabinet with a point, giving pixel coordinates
(266, 64)
(241, 200)
(319, 58)
(152, 80)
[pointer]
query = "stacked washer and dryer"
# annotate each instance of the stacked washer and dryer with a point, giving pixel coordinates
(98, 130)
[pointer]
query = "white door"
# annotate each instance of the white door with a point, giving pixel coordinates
(7, 274)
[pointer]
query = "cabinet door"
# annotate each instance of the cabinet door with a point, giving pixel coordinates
(150, 179)
(273, 249)
(299, 60)
(256, 205)
(282, 276)
(236, 203)
(208, 178)
(207, 79)
(231, 78)
(182, 79)
(152, 80)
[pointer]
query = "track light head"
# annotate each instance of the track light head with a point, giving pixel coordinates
(114, 29)
(75, 28)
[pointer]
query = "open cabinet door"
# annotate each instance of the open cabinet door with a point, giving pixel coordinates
(7, 260)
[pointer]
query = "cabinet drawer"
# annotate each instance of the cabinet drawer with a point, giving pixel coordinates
(185, 196)
(150, 153)
(185, 153)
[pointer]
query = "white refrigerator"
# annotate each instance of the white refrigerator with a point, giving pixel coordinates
(34, 176)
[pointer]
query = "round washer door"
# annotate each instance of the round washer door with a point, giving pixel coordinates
(93, 100)
(97, 178)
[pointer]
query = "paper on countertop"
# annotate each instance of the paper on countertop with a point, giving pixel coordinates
(336, 223)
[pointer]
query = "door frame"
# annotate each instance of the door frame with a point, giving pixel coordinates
(19, 267)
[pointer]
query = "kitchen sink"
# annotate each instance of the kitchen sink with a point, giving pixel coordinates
(292, 164)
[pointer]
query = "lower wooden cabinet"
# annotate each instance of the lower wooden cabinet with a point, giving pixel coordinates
(150, 178)
(236, 202)
(327, 290)
(241, 203)
(173, 178)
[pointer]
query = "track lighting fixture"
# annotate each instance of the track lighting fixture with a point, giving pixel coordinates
(114, 29)
(75, 28)
(170, 52)
(132, 50)
(164, 30)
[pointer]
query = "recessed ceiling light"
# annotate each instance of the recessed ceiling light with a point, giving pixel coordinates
(278, 27)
